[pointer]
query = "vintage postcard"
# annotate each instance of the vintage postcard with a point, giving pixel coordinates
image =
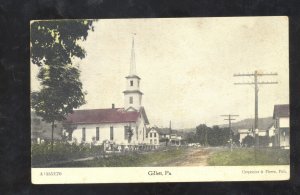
(160, 100)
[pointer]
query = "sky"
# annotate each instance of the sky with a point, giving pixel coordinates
(186, 66)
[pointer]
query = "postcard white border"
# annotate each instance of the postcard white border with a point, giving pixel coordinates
(151, 174)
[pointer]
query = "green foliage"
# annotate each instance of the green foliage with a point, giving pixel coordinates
(236, 139)
(201, 134)
(191, 137)
(248, 141)
(248, 156)
(61, 92)
(42, 153)
(214, 136)
(50, 39)
(53, 45)
(129, 159)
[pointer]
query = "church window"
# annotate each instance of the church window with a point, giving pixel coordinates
(150, 134)
(83, 134)
(126, 128)
(131, 83)
(111, 133)
(97, 134)
(131, 100)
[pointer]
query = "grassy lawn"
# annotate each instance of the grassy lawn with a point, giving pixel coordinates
(42, 153)
(128, 160)
(247, 156)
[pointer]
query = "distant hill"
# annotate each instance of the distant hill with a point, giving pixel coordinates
(188, 130)
(40, 128)
(263, 123)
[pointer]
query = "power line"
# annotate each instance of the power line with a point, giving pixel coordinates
(230, 118)
(255, 75)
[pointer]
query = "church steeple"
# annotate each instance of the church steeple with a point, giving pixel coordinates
(132, 60)
(132, 94)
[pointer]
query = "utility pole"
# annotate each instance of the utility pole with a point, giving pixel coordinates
(170, 131)
(255, 76)
(205, 143)
(229, 119)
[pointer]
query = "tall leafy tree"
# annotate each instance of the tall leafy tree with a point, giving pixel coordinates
(55, 39)
(53, 46)
(212, 136)
(202, 134)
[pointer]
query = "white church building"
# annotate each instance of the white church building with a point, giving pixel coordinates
(126, 125)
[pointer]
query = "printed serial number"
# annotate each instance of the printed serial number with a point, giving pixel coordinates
(50, 173)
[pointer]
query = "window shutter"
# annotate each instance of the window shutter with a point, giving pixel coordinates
(83, 134)
(97, 134)
(125, 132)
(111, 133)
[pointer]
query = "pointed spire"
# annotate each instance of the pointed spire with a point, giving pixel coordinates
(132, 60)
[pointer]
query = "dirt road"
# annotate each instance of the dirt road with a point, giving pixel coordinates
(192, 157)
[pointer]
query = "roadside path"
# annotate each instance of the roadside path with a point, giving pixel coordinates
(63, 162)
(192, 157)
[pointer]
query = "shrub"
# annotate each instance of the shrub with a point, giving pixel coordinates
(42, 154)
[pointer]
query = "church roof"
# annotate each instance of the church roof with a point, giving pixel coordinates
(143, 112)
(133, 76)
(133, 91)
(98, 116)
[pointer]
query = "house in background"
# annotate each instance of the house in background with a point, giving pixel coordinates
(175, 139)
(263, 132)
(164, 133)
(165, 136)
(281, 116)
(152, 137)
(126, 125)
(244, 133)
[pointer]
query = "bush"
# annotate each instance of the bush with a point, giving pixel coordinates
(42, 153)
(248, 141)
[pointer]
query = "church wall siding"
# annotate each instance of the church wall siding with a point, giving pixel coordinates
(141, 125)
(136, 100)
(104, 131)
